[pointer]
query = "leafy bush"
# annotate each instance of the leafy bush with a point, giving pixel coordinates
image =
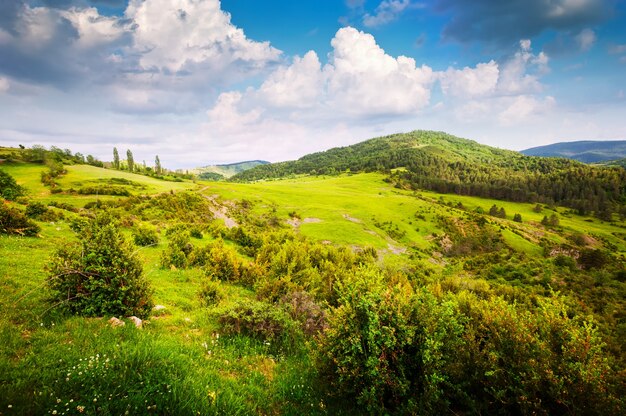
(389, 348)
(9, 189)
(13, 221)
(100, 275)
(36, 210)
(177, 250)
(211, 293)
(145, 235)
(262, 321)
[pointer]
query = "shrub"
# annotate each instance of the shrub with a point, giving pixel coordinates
(9, 189)
(195, 232)
(211, 293)
(145, 235)
(36, 210)
(303, 309)
(177, 250)
(261, 321)
(13, 221)
(100, 275)
(517, 217)
(388, 348)
(222, 263)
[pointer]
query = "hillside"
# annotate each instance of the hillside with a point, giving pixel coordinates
(443, 163)
(587, 151)
(216, 172)
(346, 294)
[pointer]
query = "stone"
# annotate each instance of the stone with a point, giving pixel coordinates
(116, 322)
(138, 322)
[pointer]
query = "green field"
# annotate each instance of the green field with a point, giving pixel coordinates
(180, 363)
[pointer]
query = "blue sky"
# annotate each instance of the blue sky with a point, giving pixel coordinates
(202, 81)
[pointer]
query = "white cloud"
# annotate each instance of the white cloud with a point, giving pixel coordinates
(359, 82)
(520, 108)
(4, 85)
(176, 35)
(93, 29)
(585, 39)
(386, 12)
(468, 82)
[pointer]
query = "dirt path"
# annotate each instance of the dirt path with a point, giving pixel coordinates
(219, 211)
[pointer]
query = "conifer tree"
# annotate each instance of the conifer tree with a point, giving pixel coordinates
(157, 165)
(116, 158)
(130, 160)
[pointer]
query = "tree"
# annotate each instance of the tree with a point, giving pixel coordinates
(116, 158)
(130, 160)
(157, 165)
(517, 217)
(9, 189)
(100, 275)
(493, 211)
(501, 213)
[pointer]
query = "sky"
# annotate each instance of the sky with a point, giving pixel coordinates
(199, 82)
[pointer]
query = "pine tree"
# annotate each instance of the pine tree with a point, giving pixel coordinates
(116, 158)
(130, 160)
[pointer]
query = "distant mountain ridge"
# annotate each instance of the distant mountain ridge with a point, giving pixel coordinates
(587, 151)
(227, 170)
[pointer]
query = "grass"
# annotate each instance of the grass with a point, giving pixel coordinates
(178, 364)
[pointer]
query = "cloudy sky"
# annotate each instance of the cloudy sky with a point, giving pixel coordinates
(202, 81)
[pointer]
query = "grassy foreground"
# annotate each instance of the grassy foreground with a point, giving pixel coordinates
(180, 362)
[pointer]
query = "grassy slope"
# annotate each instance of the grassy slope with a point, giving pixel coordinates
(39, 345)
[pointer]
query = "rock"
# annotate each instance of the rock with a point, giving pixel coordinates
(158, 308)
(116, 322)
(138, 322)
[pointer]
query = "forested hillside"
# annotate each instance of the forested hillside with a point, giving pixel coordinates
(443, 163)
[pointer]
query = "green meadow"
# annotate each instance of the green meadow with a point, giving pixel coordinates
(181, 362)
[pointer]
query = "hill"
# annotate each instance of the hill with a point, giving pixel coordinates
(217, 172)
(263, 310)
(443, 163)
(587, 151)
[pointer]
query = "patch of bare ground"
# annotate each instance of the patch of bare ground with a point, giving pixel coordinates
(352, 219)
(219, 210)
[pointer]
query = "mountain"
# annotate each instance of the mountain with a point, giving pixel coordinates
(447, 164)
(226, 171)
(587, 151)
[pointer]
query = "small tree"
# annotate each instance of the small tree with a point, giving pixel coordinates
(116, 158)
(9, 189)
(157, 165)
(130, 161)
(517, 217)
(100, 275)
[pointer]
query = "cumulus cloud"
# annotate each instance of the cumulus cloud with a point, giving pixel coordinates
(386, 12)
(151, 59)
(360, 81)
(470, 82)
(505, 22)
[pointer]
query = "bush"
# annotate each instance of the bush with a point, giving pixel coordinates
(145, 235)
(9, 189)
(388, 348)
(261, 321)
(36, 210)
(13, 221)
(100, 275)
(177, 250)
(211, 293)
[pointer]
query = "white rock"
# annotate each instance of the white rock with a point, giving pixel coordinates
(116, 322)
(138, 322)
(158, 308)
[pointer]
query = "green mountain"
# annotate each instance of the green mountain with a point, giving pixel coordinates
(588, 151)
(218, 172)
(443, 163)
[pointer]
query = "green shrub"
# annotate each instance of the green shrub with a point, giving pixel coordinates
(177, 251)
(36, 210)
(211, 293)
(13, 221)
(261, 321)
(100, 275)
(9, 189)
(195, 232)
(145, 235)
(388, 348)
(222, 263)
